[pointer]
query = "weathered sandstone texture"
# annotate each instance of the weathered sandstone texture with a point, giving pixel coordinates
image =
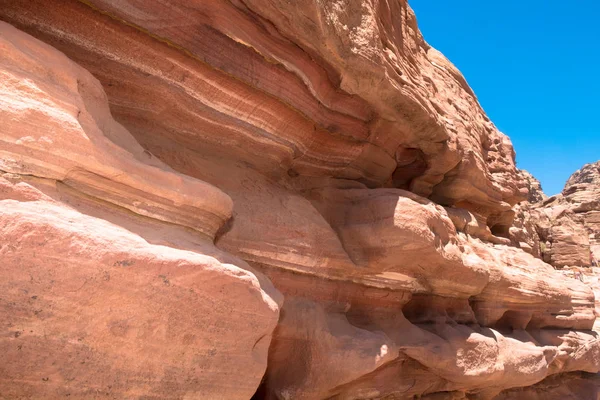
(267, 199)
(105, 289)
(564, 229)
(582, 195)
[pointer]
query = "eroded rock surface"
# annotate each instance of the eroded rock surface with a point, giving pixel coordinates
(573, 386)
(291, 200)
(582, 193)
(564, 229)
(97, 300)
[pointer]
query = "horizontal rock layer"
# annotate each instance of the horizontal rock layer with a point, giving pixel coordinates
(111, 285)
(564, 229)
(224, 149)
(289, 106)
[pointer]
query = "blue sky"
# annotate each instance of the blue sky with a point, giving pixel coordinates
(535, 68)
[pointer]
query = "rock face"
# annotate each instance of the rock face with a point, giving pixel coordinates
(534, 188)
(564, 229)
(582, 193)
(105, 289)
(267, 199)
(524, 232)
(570, 386)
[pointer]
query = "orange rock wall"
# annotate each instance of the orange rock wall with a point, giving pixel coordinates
(285, 200)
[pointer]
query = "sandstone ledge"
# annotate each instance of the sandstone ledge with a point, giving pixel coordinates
(219, 152)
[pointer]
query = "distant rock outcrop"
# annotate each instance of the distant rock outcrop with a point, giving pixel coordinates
(564, 229)
(582, 193)
(534, 187)
(524, 230)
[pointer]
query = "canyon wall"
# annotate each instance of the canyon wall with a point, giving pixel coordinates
(563, 230)
(268, 199)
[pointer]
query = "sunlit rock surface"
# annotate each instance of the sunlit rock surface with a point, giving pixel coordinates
(111, 284)
(285, 200)
(563, 229)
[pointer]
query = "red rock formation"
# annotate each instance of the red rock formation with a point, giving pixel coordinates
(582, 193)
(565, 227)
(524, 230)
(105, 290)
(227, 152)
(571, 386)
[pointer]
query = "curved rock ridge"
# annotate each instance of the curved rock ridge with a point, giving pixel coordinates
(94, 305)
(266, 199)
(58, 126)
(97, 300)
(431, 346)
(370, 100)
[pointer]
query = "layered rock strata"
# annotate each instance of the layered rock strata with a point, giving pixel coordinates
(564, 229)
(582, 195)
(111, 284)
(261, 198)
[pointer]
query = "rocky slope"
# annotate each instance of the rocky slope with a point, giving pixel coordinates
(268, 199)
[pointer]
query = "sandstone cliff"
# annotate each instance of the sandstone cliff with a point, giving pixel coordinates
(268, 199)
(564, 229)
(582, 195)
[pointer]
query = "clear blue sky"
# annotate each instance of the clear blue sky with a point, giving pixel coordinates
(535, 68)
